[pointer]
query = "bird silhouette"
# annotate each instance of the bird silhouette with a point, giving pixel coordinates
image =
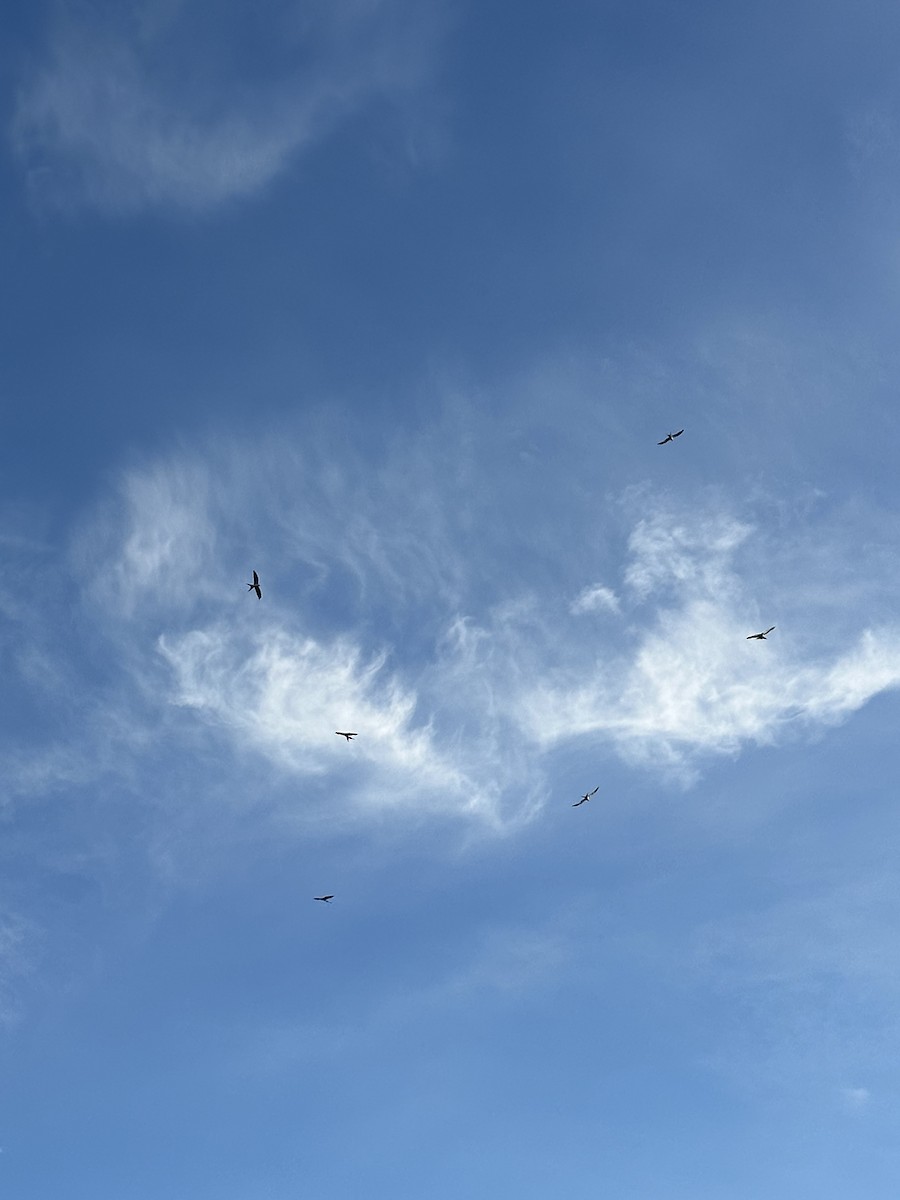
(348, 736)
(254, 586)
(759, 637)
(587, 795)
(670, 437)
(326, 899)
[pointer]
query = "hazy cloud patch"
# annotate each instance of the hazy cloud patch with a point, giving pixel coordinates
(596, 598)
(130, 111)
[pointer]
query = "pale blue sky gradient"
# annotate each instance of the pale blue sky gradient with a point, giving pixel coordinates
(392, 302)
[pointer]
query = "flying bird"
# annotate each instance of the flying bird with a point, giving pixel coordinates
(254, 586)
(670, 437)
(587, 795)
(759, 637)
(326, 899)
(348, 736)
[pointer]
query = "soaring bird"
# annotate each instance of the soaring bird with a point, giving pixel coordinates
(348, 736)
(326, 899)
(759, 637)
(254, 586)
(587, 795)
(670, 437)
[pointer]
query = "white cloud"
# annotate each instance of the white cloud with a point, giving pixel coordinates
(282, 695)
(373, 619)
(693, 552)
(596, 598)
(285, 695)
(130, 112)
(679, 693)
(687, 681)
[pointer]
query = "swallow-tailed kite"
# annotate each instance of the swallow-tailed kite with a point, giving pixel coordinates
(587, 795)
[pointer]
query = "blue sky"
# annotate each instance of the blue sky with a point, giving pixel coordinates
(392, 302)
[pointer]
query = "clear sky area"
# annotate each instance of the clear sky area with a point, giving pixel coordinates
(392, 302)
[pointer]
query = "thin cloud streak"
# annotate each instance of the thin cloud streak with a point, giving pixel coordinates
(107, 121)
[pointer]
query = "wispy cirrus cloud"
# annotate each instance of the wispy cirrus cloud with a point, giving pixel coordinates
(688, 682)
(275, 679)
(460, 702)
(144, 108)
(161, 540)
(281, 695)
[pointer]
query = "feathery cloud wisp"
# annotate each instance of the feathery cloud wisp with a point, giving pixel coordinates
(689, 682)
(275, 692)
(110, 121)
(460, 719)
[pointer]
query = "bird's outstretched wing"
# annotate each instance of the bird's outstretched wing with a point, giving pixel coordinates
(584, 799)
(667, 438)
(678, 434)
(769, 630)
(255, 579)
